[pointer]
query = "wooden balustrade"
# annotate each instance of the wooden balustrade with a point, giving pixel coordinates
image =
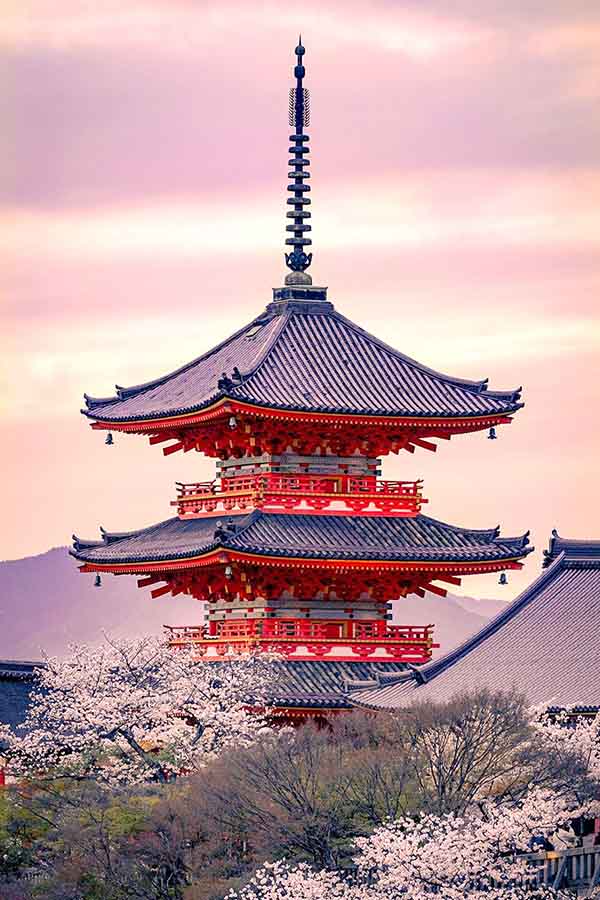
(338, 494)
(294, 629)
(309, 640)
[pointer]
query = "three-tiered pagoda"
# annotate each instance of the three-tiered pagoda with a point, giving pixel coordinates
(298, 547)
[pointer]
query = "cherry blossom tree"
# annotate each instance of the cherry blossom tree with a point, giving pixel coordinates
(568, 735)
(278, 881)
(447, 856)
(481, 852)
(133, 711)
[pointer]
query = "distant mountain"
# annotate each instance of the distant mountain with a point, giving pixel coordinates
(46, 603)
(453, 621)
(482, 607)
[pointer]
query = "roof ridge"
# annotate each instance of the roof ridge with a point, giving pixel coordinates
(106, 536)
(265, 352)
(21, 663)
(123, 393)
(220, 531)
(495, 532)
(574, 549)
(477, 387)
(248, 520)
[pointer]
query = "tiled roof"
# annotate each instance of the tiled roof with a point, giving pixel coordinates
(572, 549)
(546, 643)
(320, 684)
(309, 358)
(310, 537)
(16, 683)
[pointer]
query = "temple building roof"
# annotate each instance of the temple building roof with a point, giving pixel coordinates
(419, 539)
(17, 680)
(318, 685)
(304, 356)
(546, 643)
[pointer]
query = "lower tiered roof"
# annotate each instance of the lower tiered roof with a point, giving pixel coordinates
(306, 685)
(327, 538)
(546, 643)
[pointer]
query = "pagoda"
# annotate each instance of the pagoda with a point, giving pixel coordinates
(298, 547)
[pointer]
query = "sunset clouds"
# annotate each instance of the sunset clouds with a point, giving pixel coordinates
(456, 198)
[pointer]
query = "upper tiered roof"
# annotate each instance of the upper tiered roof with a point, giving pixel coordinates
(308, 358)
(546, 643)
(301, 356)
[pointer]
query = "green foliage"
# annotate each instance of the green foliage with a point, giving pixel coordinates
(20, 833)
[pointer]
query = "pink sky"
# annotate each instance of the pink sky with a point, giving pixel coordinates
(456, 213)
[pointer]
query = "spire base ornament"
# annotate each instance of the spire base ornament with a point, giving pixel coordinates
(298, 278)
(301, 296)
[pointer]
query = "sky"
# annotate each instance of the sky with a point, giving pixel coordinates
(456, 214)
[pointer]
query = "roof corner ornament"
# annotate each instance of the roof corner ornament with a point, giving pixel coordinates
(299, 116)
(418, 675)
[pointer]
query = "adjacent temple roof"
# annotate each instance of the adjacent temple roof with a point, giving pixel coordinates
(305, 357)
(17, 680)
(318, 684)
(546, 643)
(310, 537)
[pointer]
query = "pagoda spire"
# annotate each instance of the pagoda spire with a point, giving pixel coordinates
(299, 117)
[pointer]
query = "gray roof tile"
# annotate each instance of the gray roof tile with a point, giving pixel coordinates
(310, 537)
(316, 362)
(320, 684)
(546, 643)
(17, 680)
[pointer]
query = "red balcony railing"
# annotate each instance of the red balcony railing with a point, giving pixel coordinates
(339, 494)
(313, 639)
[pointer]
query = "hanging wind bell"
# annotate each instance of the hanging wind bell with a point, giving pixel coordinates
(109, 440)
(97, 581)
(492, 436)
(503, 579)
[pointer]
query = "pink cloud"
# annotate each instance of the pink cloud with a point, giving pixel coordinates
(456, 192)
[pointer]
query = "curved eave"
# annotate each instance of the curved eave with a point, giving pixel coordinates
(124, 393)
(226, 405)
(475, 387)
(279, 706)
(317, 339)
(222, 554)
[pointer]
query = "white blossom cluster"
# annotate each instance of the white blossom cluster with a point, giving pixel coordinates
(446, 857)
(134, 711)
(567, 733)
(480, 854)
